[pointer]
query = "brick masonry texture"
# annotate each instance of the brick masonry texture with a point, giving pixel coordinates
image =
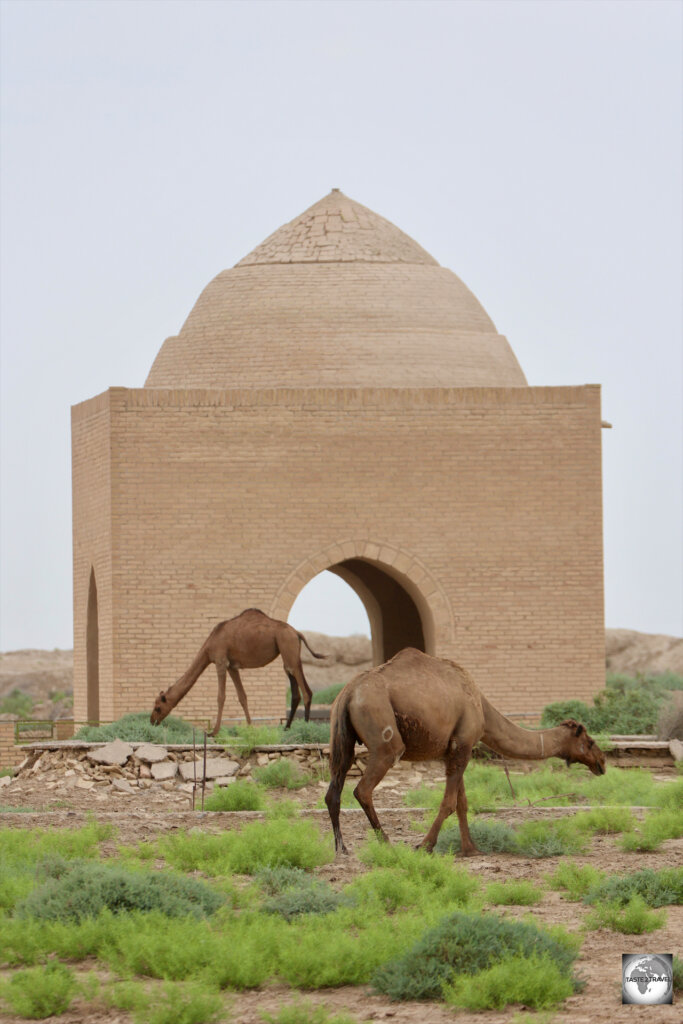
(369, 308)
(338, 400)
(484, 502)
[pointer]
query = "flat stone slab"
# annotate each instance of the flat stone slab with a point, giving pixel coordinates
(116, 752)
(122, 786)
(151, 753)
(676, 749)
(216, 768)
(164, 770)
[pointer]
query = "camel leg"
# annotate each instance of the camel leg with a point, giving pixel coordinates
(296, 675)
(241, 695)
(221, 671)
(379, 763)
(454, 798)
(294, 702)
(334, 792)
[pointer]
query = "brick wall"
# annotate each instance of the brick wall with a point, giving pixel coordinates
(10, 755)
(484, 502)
(93, 539)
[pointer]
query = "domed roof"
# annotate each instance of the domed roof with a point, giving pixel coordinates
(339, 297)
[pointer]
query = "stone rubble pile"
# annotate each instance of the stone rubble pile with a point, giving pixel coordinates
(126, 768)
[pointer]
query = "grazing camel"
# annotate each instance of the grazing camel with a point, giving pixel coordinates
(250, 640)
(427, 709)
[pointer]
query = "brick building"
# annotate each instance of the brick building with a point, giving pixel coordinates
(337, 400)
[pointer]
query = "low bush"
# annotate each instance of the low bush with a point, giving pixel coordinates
(656, 828)
(463, 945)
(277, 841)
(678, 974)
(604, 820)
(487, 836)
(281, 774)
(305, 1013)
(17, 703)
(328, 695)
(308, 896)
(523, 894)
(136, 727)
(548, 838)
(241, 795)
(244, 738)
(576, 880)
(39, 992)
(171, 1003)
(669, 797)
(531, 839)
(535, 981)
(657, 888)
(632, 918)
(301, 731)
(83, 889)
(626, 706)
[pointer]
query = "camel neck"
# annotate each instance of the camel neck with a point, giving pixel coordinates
(509, 739)
(177, 691)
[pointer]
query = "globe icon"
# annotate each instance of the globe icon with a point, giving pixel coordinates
(647, 980)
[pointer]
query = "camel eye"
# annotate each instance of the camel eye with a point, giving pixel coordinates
(163, 700)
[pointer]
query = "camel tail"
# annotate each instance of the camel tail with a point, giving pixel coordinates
(342, 735)
(303, 638)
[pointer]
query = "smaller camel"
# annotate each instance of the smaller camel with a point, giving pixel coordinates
(250, 640)
(427, 709)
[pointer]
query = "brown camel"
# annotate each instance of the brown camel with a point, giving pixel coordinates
(250, 640)
(426, 709)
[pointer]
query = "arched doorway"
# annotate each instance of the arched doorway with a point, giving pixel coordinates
(392, 590)
(395, 620)
(92, 653)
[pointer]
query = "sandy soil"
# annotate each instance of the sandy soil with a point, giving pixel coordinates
(147, 815)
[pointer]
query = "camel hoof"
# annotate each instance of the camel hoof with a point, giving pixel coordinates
(424, 848)
(470, 852)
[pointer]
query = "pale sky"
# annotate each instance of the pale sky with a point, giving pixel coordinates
(531, 147)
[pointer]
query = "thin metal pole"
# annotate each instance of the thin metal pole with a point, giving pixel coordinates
(194, 763)
(204, 771)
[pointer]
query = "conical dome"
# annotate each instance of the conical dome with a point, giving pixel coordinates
(338, 297)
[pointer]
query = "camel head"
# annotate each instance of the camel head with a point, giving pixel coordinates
(582, 749)
(162, 708)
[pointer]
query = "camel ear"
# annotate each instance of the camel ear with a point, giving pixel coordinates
(572, 724)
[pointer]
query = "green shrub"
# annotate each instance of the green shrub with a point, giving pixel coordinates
(548, 839)
(281, 774)
(678, 974)
(487, 836)
(328, 695)
(136, 727)
(669, 797)
(632, 918)
(305, 1013)
(657, 888)
(626, 706)
(465, 944)
(39, 992)
(171, 1003)
(307, 732)
(278, 841)
(575, 879)
(310, 896)
(241, 795)
(535, 981)
(84, 889)
(244, 738)
(604, 820)
(657, 827)
(17, 703)
(523, 894)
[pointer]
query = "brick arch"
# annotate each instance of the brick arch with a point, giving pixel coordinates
(405, 569)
